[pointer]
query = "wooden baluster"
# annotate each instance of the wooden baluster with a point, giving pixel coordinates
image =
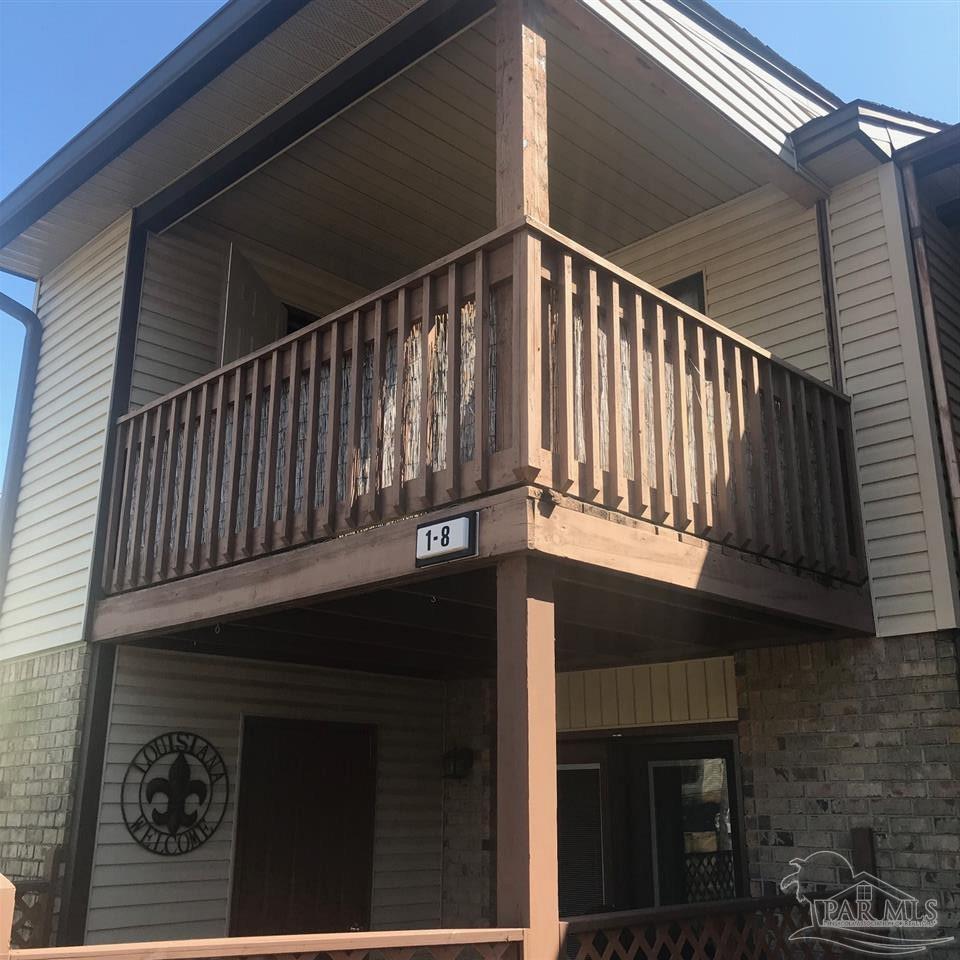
(334, 396)
(369, 502)
(746, 519)
(215, 469)
(452, 439)
(393, 498)
(153, 495)
(814, 534)
(701, 428)
(253, 455)
(200, 476)
(288, 489)
(838, 506)
(420, 486)
(314, 363)
(764, 538)
(638, 406)
(481, 380)
(661, 429)
(232, 492)
(117, 471)
(352, 453)
(778, 533)
(179, 551)
(725, 521)
(617, 481)
(566, 469)
(290, 442)
(119, 503)
(852, 489)
(525, 390)
(681, 413)
(592, 486)
(132, 566)
(828, 529)
(792, 469)
(169, 486)
(272, 442)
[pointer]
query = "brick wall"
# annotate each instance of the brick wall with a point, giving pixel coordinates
(468, 805)
(838, 735)
(41, 700)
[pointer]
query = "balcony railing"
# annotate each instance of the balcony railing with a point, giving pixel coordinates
(522, 358)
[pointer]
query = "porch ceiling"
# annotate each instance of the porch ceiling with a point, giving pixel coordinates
(447, 627)
(408, 173)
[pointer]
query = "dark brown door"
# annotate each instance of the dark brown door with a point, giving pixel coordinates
(304, 843)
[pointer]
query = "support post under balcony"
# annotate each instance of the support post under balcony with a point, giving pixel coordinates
(527, 893)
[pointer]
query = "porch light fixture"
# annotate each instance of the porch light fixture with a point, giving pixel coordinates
(458, 763)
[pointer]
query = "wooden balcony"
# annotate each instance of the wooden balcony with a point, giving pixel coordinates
(520, 359)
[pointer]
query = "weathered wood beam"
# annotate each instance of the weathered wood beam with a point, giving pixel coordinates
(527, 754)
(522, 181)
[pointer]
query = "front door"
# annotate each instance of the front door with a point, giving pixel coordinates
(304, 841)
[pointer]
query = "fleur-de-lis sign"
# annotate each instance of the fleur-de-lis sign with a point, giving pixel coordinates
(177, 787)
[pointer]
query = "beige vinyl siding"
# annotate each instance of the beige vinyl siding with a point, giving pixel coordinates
(78, 303)
(136, 895)
(180, 308)
(911, 575)
(760, 259)
(181, 302)
(653, 694)
(943, 263)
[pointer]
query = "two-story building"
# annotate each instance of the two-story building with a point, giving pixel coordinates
(476, 464)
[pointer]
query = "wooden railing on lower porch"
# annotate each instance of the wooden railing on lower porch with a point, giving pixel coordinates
(523, 358)
(452, 944)
(730, 930)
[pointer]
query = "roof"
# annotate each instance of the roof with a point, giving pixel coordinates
(727, 29)
(240, 66)
(229, 32)
(236, 68)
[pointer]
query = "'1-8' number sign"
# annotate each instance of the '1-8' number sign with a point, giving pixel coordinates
(448, 539)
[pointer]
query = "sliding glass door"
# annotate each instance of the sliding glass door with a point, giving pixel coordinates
(645, 822)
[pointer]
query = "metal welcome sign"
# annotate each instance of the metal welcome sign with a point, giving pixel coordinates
(174, 793)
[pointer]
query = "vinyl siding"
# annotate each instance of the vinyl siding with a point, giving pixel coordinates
(181, 302)
(911, 574)
(180, 307)
(761, 263)
(648, 695)
(136, 895)
(78, 303)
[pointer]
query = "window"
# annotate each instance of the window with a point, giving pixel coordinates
(689, 290)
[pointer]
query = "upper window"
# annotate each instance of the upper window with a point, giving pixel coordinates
(688, 290)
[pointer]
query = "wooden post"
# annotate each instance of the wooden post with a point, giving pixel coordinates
(7, 894)
(527, 755)
(522, 185)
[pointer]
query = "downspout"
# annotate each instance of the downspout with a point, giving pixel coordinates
(17, 448)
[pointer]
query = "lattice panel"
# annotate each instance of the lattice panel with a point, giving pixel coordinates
(709, 876)
(763, 934)
(32, 915)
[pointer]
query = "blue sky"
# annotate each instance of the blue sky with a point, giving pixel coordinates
(905, 53)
